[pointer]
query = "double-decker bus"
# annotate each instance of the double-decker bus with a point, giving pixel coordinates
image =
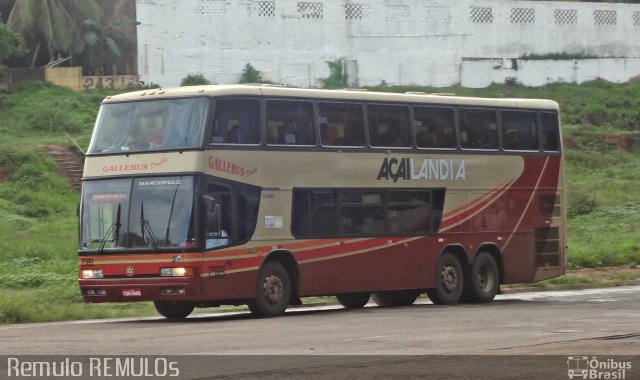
(260, 195)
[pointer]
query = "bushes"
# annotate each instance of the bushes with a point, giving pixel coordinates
(580, 202)
(337, 75)
(250, 75)
(194, 80)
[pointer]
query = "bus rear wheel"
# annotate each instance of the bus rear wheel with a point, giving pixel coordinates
(395, 298)
(353, 300)
(174, 309)
(273, 293)
(483, 281)
(449, 281)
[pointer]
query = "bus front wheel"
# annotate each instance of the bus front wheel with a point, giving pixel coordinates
(353, 300)
(174, 309)
(273, 293)
(395, 298)
(449, 281)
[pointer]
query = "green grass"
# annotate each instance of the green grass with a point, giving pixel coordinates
(38, 225)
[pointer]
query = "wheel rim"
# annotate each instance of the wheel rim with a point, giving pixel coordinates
(273, 289)
(449, 278)
(485, 278)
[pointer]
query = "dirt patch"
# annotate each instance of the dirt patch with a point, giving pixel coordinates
(605, 274)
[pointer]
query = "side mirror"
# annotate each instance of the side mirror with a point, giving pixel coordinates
(212, 215)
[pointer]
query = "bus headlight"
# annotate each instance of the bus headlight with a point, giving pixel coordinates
(176, 272)
(92, 273)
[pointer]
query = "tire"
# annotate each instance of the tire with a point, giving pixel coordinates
(353, 300)
(174, 309)
(273, 292)
(449, 281)
(483, 281)
(395, 298)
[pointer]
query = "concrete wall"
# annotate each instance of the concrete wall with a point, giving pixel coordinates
(401, 42)
(72, 77)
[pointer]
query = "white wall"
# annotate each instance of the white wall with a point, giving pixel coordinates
(400, 42)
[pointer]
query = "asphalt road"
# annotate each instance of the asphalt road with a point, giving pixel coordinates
(566, 323)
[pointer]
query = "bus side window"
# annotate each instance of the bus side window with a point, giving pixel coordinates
(290, 123)
(434, 127)
(478, 129)
(389, 125)
(341, 124)
(519, 130)
(237, 121)
(550, 132)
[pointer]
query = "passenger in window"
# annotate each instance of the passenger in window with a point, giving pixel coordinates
(443, 132)
(510, 135)
(155, 135)
(290, 132)
(147, 136)
(136, 140)
(326, 134)
(390, 137)
(232, 136)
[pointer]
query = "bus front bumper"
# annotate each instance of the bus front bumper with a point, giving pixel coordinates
(139, 289)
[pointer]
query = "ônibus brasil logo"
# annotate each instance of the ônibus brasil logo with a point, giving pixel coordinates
(581, 367)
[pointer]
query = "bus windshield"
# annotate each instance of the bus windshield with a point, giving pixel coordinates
(149, 125)
(145, 213)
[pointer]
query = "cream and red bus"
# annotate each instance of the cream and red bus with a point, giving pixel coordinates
(261, 195)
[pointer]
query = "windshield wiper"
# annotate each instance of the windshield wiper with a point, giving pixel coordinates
(145, 227)
(114, 229)
(173, 203)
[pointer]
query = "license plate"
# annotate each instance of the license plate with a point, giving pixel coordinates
(132, 293)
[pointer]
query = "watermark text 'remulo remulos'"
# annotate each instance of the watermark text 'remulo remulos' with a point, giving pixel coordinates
(94, 367)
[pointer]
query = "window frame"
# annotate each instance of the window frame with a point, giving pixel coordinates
(501, 111)
(408, 107)
(456, 133)
(495, 111)
(363, 113)
(214, 113)
(314, 121)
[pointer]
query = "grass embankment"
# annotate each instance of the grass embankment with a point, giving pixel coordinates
(38, 226)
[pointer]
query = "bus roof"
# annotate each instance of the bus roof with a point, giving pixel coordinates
(345, 94)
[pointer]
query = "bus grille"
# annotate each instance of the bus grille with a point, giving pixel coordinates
(549, 205)
(547, 242)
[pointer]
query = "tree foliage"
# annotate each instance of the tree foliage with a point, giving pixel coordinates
(10, 46)
(56, 23)
(194, 80)
(337, 75)
(250, 75)
(99, 47)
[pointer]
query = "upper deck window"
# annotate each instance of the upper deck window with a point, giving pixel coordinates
(519, 130)
(435, 127)
(149, 125)
(237, 121)
(389, 125)
(290, 123)
(478, 129)
(550, 132)
(341, 124)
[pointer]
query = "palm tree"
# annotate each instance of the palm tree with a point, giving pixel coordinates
(56, 23)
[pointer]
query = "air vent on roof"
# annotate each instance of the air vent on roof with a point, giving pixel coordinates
(443, 93)
(415, 93)
(265, 84)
